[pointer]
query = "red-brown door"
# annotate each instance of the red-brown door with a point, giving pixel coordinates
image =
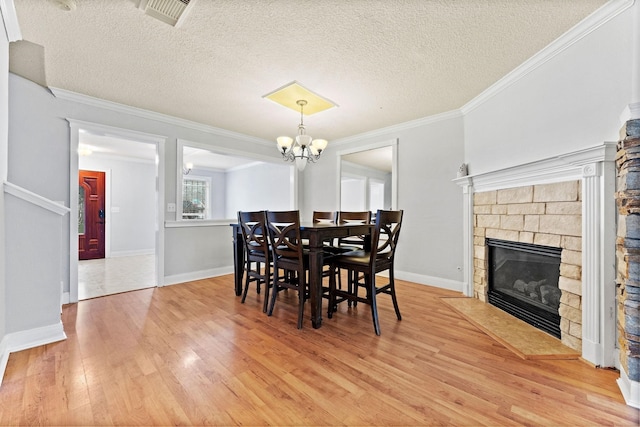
(91, 215)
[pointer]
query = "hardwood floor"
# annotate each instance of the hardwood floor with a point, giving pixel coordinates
(192, 354)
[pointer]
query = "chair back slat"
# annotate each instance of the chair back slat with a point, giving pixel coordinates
(253, 227)
(385, 237)
(325, 217)
(360, 217)
(284, 233)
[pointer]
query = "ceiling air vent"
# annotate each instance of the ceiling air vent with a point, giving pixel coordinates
(169, 11)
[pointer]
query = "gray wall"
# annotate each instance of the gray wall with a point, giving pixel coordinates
(430, 246)
(4, 124)
(270, 192)
(39, 161)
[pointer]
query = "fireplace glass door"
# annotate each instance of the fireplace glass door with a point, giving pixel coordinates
(523, 281)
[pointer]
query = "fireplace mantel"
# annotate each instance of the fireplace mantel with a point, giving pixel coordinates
(595, 168)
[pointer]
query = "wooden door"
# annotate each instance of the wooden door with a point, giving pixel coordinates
(91, 215)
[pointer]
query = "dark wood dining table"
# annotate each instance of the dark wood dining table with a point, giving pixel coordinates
(316, 234)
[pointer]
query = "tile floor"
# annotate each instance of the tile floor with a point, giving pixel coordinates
(100, 277)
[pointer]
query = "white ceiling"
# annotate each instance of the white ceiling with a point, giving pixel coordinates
(383, 62)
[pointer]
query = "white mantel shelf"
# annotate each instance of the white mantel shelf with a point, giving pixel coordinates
(560, 168)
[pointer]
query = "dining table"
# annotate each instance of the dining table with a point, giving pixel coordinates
(316, 234)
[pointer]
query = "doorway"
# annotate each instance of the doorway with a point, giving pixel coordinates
(132, 212)
(368, 177)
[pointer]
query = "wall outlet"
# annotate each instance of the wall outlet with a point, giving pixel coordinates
(171, 207)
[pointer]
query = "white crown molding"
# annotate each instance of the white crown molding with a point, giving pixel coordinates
(10, 19)
(573, 35)
(35, 199)
(151, 115)
(448, 115)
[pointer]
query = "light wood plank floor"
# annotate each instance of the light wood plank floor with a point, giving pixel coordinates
(192, 354)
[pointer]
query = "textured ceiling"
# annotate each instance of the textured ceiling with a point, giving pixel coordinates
(383, 62)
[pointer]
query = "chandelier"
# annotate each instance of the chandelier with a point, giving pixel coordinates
(302, 149)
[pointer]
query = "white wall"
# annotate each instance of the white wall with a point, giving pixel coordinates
(271, 192)
(132, 213)
(573, 100)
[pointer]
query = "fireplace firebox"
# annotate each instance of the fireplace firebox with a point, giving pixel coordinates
(523, 281)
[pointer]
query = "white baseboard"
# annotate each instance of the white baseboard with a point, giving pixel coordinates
(18, 341)
(117, 254)
(438, 282)
(197, 275)
(630, 390)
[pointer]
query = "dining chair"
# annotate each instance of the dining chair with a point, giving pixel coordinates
(256, 249)
(326, 217)
(351, 243)
(380, 258)
(330, 248)
(288, 255)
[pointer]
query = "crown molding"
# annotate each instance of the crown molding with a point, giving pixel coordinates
(151, 115)
(585, 27)
(10, 19)
(448, 115)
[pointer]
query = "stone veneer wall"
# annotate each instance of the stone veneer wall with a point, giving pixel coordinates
(628, 249)
(549, 215)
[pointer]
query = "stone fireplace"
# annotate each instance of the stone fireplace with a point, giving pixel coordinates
(565, 202)
(544, 216)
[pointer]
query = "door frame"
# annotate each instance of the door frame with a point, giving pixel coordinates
(76, 126)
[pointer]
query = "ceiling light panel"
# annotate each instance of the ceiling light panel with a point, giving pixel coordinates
(290, 94)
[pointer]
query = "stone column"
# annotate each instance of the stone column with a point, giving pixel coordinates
(628, 249)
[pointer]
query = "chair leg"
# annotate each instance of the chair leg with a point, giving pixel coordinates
(301, 299)
(393, 294)
(370, 280)
(267, 285)
(350, 275)
(258, 281)
(246, 282)
(274, 291)
(332, 292)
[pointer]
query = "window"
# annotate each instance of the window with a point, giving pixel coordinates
(195, 198)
